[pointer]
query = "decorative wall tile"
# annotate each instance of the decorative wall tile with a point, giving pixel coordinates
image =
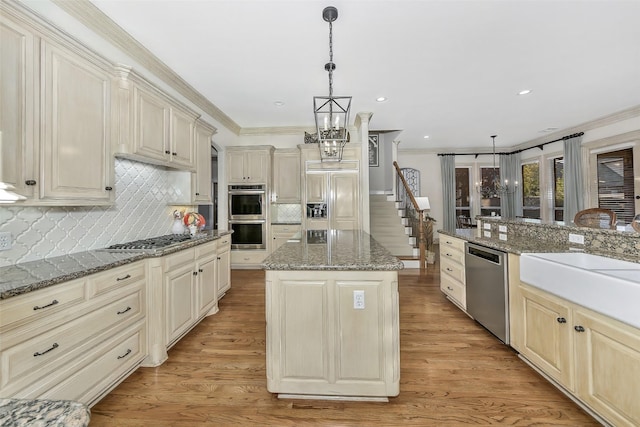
(282, 212)
(141, 210)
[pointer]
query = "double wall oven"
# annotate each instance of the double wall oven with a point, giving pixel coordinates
(247, 216)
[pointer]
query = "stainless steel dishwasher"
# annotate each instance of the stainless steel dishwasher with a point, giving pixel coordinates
(487, 289)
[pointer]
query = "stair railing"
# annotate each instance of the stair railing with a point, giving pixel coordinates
(416, 216)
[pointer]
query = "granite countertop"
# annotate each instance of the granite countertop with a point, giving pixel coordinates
(347, 250)
(49, 413)
(29, 276)
(521, 245)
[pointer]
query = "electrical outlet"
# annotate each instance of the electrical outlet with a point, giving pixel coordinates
(486, 226)
(5, 240)
(358, 300)
(502, 236)
(487, 234)
(502, 228)
(576, 238)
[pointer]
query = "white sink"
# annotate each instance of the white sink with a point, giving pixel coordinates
(606, 285)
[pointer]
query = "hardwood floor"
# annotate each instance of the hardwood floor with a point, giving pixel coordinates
(453, 372)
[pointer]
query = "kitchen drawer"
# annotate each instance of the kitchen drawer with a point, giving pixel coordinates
(452, 254)
(454, 289)
(248, 257)
(206, 249)
(179, 258)
(103, 367)
(284, 230)
(39, 304)
(224, 243)
(43, 354)
(118, 277)
(451, 242)
(453, 269)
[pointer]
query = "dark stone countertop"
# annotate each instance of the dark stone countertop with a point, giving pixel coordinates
(29, 276)
(50, 413)
(346, 250)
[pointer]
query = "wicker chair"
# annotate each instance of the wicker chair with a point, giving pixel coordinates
(596, 218)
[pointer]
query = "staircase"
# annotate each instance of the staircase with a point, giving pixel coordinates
(389, 228)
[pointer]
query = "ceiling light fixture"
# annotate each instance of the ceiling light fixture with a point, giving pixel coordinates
(426, 137)
(492, 187)
(381, 99)
(524, 92)
(331, 112)
(278, 103)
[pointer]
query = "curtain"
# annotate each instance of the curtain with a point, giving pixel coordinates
(448, 170)
(511, 203)
(573, 182)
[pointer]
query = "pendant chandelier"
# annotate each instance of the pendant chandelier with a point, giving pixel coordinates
(495, 188)
(331, 112)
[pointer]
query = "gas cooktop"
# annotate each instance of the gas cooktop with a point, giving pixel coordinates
(149, 245)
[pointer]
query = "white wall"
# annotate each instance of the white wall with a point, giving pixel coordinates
(430, 179)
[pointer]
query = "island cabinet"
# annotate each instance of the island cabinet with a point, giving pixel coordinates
(593, 357)
(56, 100)
(224, 265)
(452, 270)
(76, 340)
(286, 176)
(249, 165)
(320, 341)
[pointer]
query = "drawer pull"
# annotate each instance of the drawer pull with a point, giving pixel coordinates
(449, 269)
(40, 307)
(579, 328)
(123, 278)
(125, 355)
(447, 254)
(450, 288)
(124, 311)
(449, 243)
(53, 347)
(561, 320)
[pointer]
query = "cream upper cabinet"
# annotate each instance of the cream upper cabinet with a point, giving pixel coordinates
(316, 185)
(162, 131)
(286, 176)
(201, 181)
(344, 202)
(18, 102)
(76, 111)
(248, 165)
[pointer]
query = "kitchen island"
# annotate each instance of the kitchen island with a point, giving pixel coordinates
(332, 317)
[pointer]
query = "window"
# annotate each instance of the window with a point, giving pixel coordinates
(531, 190)
(463, 198)
(615, 183)
(489, 200)
(558, 189)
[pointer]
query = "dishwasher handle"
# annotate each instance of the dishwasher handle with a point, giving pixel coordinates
(485, 253)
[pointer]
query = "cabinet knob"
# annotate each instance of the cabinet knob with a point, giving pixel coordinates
(197, 194)
(218, 257)
(200, 270)
(167, 152)
(108, 188)
(174, 153)
(195, 273)
(579, 328)
(30, 182)
(561, 320)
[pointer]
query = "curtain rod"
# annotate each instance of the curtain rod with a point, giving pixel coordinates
(540, 146)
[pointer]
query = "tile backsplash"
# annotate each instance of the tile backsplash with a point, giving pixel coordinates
(286, 213)
(141, 210)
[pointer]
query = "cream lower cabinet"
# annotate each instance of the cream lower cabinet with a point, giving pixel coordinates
(224, 265)
(190, 283)
(319, 343)
(452, 270)
(594, 357)
(75, 340)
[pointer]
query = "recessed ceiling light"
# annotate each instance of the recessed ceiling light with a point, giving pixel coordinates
(278, 103)
(524, 92)
(381, 99)
(547, 130)
(426, 137)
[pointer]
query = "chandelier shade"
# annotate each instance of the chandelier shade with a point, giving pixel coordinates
(495, 188)
(331, 112)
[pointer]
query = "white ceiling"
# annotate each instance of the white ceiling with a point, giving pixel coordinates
(450, 69)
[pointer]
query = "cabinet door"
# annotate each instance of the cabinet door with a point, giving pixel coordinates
(224, 270)
(207, 284)
(286, 177)
(608, 367)
(18, 91)
(151, 125)
(235, 167)
(180, 297)
(316, 188)
(76, 156)
(547, 335)
(202, 179)
(344, 205)
(255, 167)
(182, 150)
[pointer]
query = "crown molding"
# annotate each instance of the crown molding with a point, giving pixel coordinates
(279, 130)
(94, 19)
